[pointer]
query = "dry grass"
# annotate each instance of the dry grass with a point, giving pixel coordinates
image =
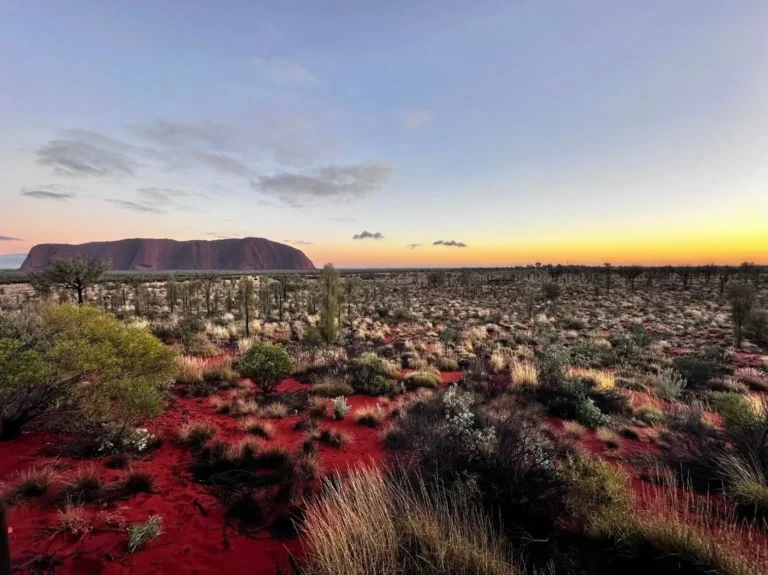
(243, 449)
(71, 519)
(195, 433)
(332, 437)
(32, 482)
(573, 430)
(257, 427)
(752, 378)
(601, 378)
(190, 369)
(275, 410)
(369, 416)
(524, 372)
(372, 525)
(608, 437)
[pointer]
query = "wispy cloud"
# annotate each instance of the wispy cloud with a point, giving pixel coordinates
(10, 239)
(135, 206)
(414, 246)
(330, 183)
(297, 242)
(368, 235)
(285, 71)
(450, 244)
(344, 220)
(415, 118)
(49, 192)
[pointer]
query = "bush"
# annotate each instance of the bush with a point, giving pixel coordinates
(587, 413)
(418, 379)
(757, 327)
(598, 492)
(332, 387)
(373, 375)
(340, 407)
(552, 359)
(139, 534)
(266, 365)
(114, 374)
(668, 384)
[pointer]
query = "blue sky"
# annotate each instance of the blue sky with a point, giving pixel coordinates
(505, 126)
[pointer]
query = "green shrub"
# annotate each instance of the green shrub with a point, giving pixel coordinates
(757, 327)
(598, 493)
(735, 409)
(332, 387)
(373, 375)
(590, 415)
(668, 384)
(418, 379)
(266, 365)
(114, 374)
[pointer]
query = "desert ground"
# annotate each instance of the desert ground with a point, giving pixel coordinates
(528, 420)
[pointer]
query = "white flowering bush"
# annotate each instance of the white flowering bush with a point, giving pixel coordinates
(137, 440)
(461, 423)
(340, 407)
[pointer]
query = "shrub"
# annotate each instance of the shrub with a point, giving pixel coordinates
(71, 519)
(139, 534)
(418, 379)
(590, 415)
(266, 365)
(84, 484)
(196, 433)
(598, 492)
(373, 375)
(32, 482)
(552, 359)
(447, 364)
(190, 369)
(276, 410)
(111, 372)
(648, 415)
(135, 480)
(668, 384)
(340, 407)
(318, 408)
(757, 327)
(332, 437)
(754, 379)
(600, 379)
(219, 371)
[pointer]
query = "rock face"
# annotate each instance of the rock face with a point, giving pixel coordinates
(152, 254)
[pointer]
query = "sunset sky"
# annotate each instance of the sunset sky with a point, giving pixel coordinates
(445, 133)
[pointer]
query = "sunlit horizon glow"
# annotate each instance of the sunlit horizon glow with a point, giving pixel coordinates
(622, 133)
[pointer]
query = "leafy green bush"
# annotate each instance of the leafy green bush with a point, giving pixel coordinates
(373, 375)
(598, 491)
(757, 327)
(113, 373)
(266, 365)
(587, 413)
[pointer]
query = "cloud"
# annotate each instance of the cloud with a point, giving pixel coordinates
(161, 195)
(345, 220)
(368, 235)
(450, 243)
(10, 239)
(285, 71)
(224, 164)
(87, 154)
(47, 193)
(414, 246)
(297, 242)
(415, 118)
(135, 206)
(330, 183)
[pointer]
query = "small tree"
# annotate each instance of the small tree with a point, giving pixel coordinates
(245, 296)
(742, 298)
(78, 273)
(329, 302)
(551, 292)
(266, 365)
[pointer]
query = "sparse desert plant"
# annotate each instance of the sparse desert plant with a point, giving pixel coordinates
(85, 483)
(135, 480)
(370, 416)
(219, 371)
(598, 493)
(447, 364)
(139, 534)
(418, 379)
(71, 519)
(276, 410)
(608, 437)
(190, 369)
(648, 415)
(573, 430)
(340, 407)
(369, 524)
(32, 482)
(318, 407)
(753, 378)
(196, 433)
(668, 384)
(524, 372)
(257, 427)
(330, 386)
(373, 375)
(333, 437)
(600, 378)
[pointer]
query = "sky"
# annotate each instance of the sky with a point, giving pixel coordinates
(399, 133)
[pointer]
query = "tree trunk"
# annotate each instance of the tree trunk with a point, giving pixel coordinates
(79, 294)
(5, 544)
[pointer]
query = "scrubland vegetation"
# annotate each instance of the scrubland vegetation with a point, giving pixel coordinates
(544, 419)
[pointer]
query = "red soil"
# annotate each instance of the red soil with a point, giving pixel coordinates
(195, 539)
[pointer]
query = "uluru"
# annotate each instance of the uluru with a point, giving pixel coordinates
(165, 254)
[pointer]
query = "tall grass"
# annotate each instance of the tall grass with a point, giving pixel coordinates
(374, 524)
